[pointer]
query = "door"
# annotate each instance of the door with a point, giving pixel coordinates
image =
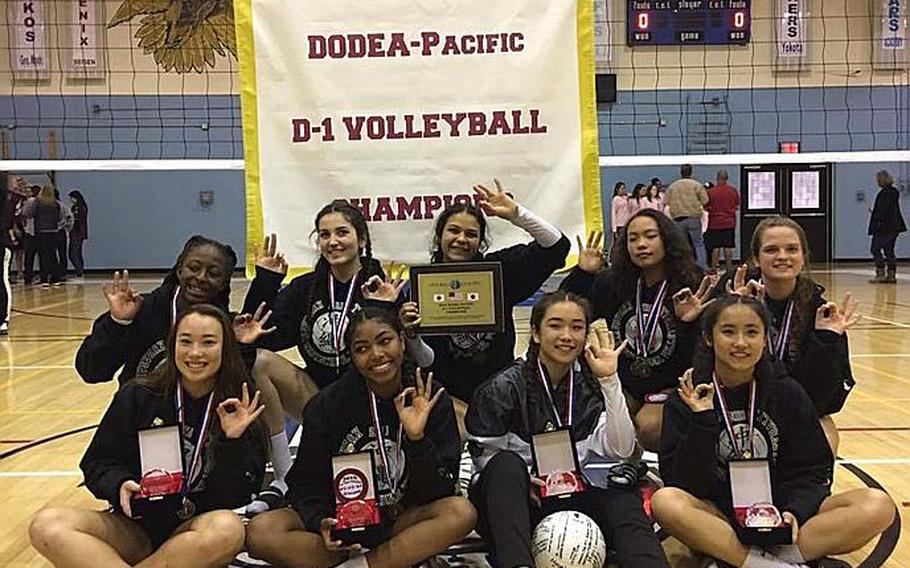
(799, 191)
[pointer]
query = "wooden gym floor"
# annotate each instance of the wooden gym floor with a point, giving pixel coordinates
(47, 412)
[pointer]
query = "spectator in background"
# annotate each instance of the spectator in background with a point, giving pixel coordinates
(78, 232)
(650, 199)
(66, 223)
(46, 213)
(635, 200)
(619, 209)
(6, 234)
(686, 199)
(28, 234)
(723, 203)
(18, 193)
(885, 225)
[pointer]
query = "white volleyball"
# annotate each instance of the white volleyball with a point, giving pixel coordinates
(568, 539)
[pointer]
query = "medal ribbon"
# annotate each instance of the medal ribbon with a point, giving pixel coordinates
(339, 327)
(380, 442)
(569, 403)
(647, 329)
(195, 469)
(728, 418)
(779, 347)
(174, 306)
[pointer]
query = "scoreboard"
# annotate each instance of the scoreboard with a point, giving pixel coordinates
(681, 22)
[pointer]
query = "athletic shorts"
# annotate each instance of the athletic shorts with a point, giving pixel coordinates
(720, 238)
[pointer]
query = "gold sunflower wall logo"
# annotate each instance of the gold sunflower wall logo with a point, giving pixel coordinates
(182, 35)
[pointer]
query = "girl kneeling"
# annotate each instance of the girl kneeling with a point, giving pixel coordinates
(733, 405)
(381, 404)
(202, 388)
(555, 388)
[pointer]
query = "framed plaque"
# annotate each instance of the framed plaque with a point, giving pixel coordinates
(161, 461)
(556, 464)
(356, 508)
(458, 297)
(758, 520)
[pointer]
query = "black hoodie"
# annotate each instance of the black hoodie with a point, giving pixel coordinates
(465, 360)
(232, 468)
(674, 340)
(820, 360)
(337, 421)
(309, 327)
(695, 447)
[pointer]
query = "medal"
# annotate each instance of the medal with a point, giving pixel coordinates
(647, 328)
(778, 348)
(641, 368)
(746, 452)
(380, 443)
(339, 323)
(187, 510)
(569, 403)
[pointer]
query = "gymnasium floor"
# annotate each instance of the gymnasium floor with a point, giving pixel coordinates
(47, 413)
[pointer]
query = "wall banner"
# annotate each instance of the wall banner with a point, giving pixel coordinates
(29, 57)
(793, 32)
(86, 33)
(401, 107)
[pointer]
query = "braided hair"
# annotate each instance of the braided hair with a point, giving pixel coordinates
(354, 216)
(230, 261)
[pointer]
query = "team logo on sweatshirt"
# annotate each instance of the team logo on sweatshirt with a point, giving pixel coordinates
(317, 339)
(663, 344)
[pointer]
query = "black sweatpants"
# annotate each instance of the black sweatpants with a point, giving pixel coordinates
(47, 257)
(883, 249)
(507, 517)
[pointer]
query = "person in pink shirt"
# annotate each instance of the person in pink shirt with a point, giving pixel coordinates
(651, 199)
(723, 203)
(620, 208)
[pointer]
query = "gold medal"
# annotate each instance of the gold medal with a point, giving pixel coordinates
(641, 368)
(187, 510)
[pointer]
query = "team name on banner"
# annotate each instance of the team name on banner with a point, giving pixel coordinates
(894, 24)
(29, 41)
(86, 38)
(792, 28)
(401, 107)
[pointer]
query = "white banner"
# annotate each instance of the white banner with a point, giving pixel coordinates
(792, 30)
(890, 34)
(401, 107)
(29, 39)
(86, 38)
(603, 22)
(894, 24)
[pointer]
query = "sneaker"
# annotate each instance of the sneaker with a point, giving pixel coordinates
(4, 328)
(59, 284)
(269, 499)
(45, 284)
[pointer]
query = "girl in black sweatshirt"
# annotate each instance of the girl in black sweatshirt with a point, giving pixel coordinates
(463, 361)
(809, 333)
(736, 405)
(203, 389)
(639, 291)
(131, 335)
(311, 313)
(379, 403)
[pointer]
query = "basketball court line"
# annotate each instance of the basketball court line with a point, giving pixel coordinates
(882, 320)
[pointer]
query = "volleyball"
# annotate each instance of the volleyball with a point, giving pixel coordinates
(568, 539)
